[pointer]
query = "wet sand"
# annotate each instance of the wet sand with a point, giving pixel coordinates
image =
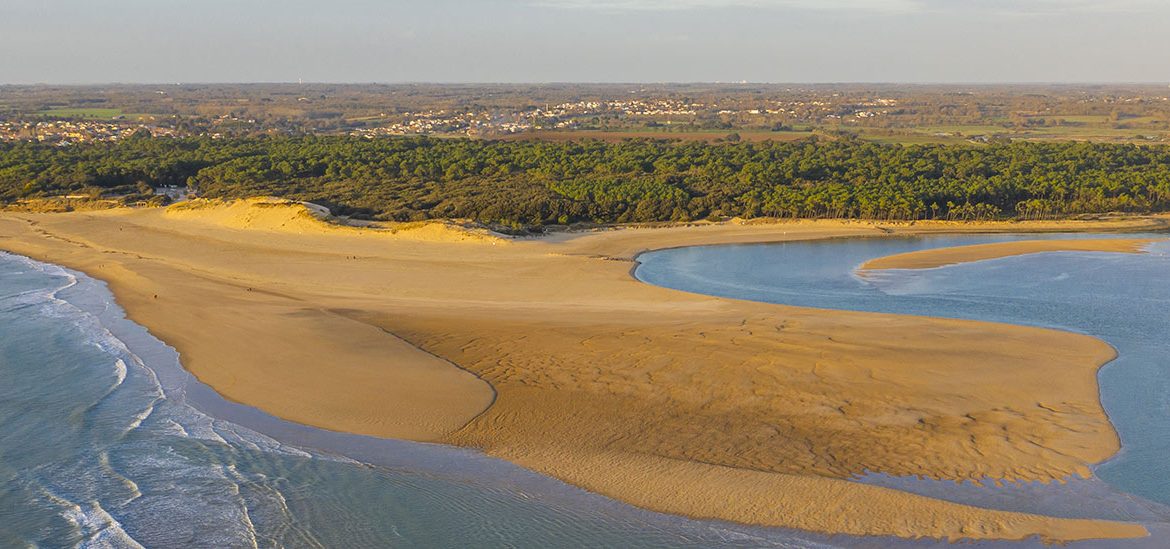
(547, 353)
(941, 257)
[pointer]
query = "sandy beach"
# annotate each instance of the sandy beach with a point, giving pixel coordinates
(547, 353)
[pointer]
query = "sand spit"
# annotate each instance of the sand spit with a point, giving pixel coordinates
(682, 403)
(940, 257)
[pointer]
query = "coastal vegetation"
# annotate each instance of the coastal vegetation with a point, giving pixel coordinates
(537, 183)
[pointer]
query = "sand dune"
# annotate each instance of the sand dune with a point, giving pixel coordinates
(546, 352)
(939, 257)
(287, 216)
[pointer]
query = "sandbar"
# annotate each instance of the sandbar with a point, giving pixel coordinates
(941, 257)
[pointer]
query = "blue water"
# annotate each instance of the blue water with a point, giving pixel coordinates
(1121, 298)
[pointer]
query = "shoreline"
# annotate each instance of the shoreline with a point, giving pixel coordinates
(431, 459)
(462, 465)
(534, 258)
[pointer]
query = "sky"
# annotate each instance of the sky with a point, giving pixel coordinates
(967, 41)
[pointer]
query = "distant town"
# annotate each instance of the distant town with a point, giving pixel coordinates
(907, 114)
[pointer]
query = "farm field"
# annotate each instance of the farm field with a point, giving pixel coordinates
(619, 135)
(81, 113)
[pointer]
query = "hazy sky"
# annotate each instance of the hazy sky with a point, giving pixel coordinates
(87, 41)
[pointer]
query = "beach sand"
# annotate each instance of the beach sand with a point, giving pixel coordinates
(940, 257)
(547, 353)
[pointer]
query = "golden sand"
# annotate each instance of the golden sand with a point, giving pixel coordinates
(940, 257)
(675, 402)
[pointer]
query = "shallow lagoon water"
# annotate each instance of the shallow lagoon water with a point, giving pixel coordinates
(1123, 299)
(106, 442)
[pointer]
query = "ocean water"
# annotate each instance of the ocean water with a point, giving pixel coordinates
(1121, 298)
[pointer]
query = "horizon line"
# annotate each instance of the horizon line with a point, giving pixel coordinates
(605, 83)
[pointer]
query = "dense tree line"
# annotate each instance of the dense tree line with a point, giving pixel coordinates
(531, 183)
